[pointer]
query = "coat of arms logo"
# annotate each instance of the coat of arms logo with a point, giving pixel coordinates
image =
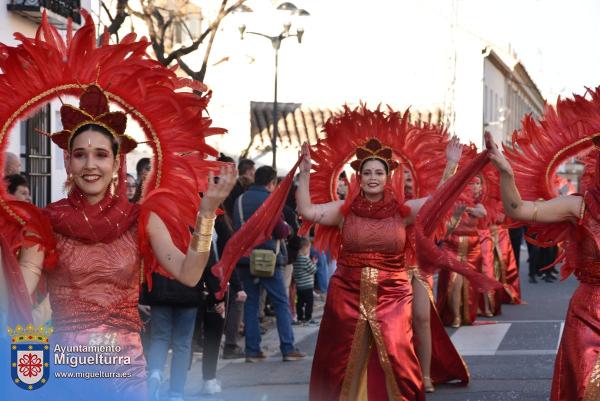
(30, 356)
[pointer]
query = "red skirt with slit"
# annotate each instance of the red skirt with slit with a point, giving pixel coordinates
(365, 345)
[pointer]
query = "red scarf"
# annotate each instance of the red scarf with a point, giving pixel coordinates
(103, 222)
(381, 209)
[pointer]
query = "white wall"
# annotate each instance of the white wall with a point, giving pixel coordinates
(9, 24)
(495, 82)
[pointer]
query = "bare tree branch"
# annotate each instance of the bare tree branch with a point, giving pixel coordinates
(213, 27)
(211, 40)
(117, 21)
(160, 22)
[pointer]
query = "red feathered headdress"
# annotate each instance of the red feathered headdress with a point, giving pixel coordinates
(418, 148)
(567, 130)
(170, 113)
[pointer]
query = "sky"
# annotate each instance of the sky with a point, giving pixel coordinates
(554, 39)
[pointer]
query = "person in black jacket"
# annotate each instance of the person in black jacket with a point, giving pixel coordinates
(211, 314)
(236, 295)
(173, 308)
(246, 171)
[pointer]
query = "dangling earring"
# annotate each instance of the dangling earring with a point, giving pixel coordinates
(68, 185)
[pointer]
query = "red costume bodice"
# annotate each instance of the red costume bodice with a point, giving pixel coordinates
(375, 243)
(587, 265)
(96, 284)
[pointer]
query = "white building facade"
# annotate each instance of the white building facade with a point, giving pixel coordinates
(41, 160)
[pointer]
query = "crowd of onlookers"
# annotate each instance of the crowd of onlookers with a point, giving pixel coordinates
(191, 319)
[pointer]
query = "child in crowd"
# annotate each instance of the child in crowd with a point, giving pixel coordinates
(304, 276)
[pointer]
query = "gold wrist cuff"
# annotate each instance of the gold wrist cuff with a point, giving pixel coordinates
(201, 243)
(535, 212)
(204, 226)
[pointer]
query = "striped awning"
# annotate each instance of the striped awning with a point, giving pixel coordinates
(298, 123)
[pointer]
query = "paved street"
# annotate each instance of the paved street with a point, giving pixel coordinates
(511, 358)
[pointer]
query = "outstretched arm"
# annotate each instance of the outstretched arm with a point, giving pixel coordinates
(562, 208)
(328, 214)
(453, 154)
(188, 268)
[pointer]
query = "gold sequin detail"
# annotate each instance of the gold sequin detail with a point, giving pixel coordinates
(592, 390)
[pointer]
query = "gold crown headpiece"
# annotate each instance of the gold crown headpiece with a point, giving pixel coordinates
(93, 109)
(374, 150)
(30, 333)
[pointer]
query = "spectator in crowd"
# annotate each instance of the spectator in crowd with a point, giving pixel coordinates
(322, 276)
(235, 304)
(142, 169)
(18, 187)
(131, 187)
(245, 206)
(246, 171)
(304, 275)
(173, 308)
(291, 218)
(12, 164)
(342, 187)
(211, 313)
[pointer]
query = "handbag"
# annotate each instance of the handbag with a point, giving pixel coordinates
(262, 261)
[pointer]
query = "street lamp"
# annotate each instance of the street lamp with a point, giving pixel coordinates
(276, 43)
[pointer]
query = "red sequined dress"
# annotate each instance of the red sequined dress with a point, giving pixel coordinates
(365, 344)
(577, 368)
(94, 294)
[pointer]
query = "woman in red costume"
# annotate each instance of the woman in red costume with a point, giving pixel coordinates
(90, 246)
(567, 130)
(365, 346)
(457, 301)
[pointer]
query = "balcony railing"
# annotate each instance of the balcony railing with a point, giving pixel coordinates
(58, 10)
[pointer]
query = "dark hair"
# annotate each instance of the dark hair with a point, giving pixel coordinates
(99, 129)
(226, 159)
(129, 175)
(368, 159)
(265, 175)
(244, 165)
(14, 181)
(141, 165)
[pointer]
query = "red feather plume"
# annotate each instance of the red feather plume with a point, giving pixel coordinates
(173, 118)
(566, 130)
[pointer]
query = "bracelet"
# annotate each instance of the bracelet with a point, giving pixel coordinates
(204, 225)
(200, 243)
